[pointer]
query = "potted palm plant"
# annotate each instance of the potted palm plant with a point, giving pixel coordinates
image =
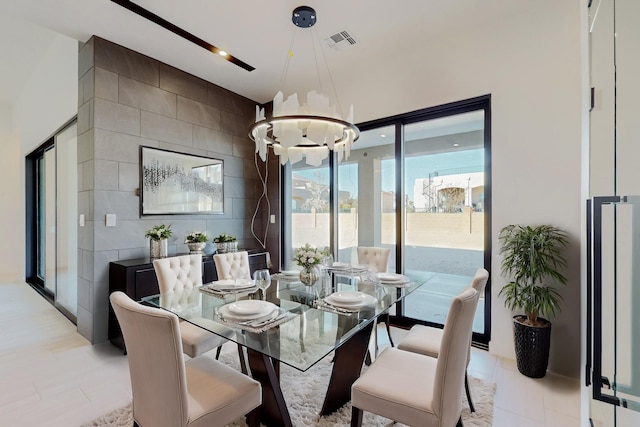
(534, 259)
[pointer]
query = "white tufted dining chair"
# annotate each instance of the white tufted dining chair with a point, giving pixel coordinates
(177, 277)
(376, 259)
(427, 339)
(232, 265)
(166, 390)
(415, 389)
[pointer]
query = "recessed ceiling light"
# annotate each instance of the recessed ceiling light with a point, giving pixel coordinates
(382, 135)
(222, 53)
(456, 145)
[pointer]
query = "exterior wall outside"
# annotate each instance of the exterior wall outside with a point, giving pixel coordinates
(128, 100)
(441, 230)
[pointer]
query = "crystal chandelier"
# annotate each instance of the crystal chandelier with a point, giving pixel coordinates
(311, 129)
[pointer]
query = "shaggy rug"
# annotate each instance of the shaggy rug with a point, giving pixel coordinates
(304, 393)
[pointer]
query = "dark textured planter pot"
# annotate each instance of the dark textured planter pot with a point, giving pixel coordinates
(532, 347)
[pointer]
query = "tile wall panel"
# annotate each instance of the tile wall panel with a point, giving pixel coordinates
(146, 97)
(106, 84)
(198, 113)
(166, 129)
(126, 62)
(138, 101)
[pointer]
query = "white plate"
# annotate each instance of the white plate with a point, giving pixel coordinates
(392, 278)
(365, 301)
(247, 307)
(290, 272)
(249, 313)
(348, 297)
(340, 265)
(231, 284)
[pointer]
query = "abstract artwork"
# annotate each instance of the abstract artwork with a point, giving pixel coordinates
(177, 183)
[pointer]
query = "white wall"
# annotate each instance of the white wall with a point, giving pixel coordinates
(531, 65)
(48, 101)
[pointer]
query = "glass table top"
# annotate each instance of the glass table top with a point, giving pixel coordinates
(311, 329)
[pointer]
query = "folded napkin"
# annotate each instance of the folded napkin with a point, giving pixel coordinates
(321, 304)
(212, 289)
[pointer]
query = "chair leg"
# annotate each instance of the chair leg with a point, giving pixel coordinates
(218, 352)
(459, 424)
(466, 387)
(356, 417)
(243, 364)
(253, 418)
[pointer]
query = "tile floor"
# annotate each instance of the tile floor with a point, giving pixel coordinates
(51, 376)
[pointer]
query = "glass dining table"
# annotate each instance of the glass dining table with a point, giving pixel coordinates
(311, 323)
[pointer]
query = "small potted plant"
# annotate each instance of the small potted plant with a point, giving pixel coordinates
(308, 258)
(196, 242)
(158, 243)
(226, 243)
(534, 258)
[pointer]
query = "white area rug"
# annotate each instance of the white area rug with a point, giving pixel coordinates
(304, 393)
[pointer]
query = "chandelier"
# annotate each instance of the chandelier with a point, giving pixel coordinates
(312, 129)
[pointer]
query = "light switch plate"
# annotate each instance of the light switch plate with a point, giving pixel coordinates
(272, 219)
(110, 220)
(81, 220)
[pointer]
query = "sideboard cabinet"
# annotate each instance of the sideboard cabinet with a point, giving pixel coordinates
(137, 278)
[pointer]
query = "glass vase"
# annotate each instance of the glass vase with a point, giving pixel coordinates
(159, 248)
(310, 275)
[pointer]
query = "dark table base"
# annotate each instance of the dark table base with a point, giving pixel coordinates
(347, 365)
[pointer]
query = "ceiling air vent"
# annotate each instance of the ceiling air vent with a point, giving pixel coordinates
(341, 40)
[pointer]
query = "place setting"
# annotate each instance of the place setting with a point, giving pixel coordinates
(346, 302)
(229, 286)
(253, 315)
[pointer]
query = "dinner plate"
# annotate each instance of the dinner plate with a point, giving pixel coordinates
(290, 272)
(348, 297)
(392, 278)
(248, 307)
(246, 310)
(231, 284)
(366, 300)
(340, 265)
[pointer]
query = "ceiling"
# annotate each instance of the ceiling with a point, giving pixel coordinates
(255, 31)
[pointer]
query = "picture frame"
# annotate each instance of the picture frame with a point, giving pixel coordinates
(173, 183)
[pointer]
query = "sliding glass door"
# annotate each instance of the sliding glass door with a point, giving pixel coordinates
(419, 184)
(52, 242)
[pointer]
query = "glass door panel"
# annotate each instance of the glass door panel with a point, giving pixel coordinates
(49, 220)
(444, 190)
(66, 227)
(366, 195)
(310, 213)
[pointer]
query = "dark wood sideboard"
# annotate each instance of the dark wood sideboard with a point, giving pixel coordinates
(137, 279)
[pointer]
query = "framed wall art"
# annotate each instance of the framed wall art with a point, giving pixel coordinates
(178, 183)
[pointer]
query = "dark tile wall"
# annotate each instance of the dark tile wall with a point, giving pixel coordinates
(127, 100)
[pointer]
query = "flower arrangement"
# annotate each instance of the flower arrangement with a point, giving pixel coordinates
(196, 237)
(308, 256)
(224, 238)
(159, 232)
